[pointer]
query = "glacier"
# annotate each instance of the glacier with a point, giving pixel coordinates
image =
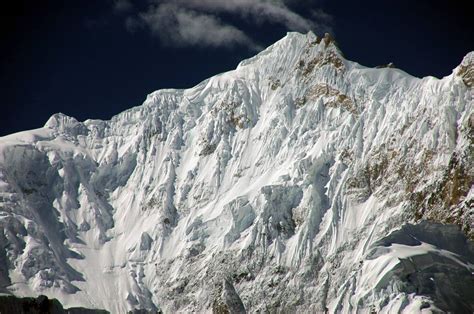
(298, 182)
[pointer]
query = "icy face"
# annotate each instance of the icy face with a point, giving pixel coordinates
(282, 185)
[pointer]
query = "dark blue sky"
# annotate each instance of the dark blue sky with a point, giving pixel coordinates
(93, 59)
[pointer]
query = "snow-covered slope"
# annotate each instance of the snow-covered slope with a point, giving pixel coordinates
(296, 182)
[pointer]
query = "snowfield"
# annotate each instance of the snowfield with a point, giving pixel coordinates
(298, 182)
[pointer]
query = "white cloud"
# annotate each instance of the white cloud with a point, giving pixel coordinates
(200, 22)
(176, 25)
(121, 6)
(259, 11)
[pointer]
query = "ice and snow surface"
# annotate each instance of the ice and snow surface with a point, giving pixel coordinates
(268, 187)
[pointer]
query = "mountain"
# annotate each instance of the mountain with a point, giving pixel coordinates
(298, 182)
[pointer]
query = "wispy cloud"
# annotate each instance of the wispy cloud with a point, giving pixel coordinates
(181, 26)
(202, 22)
(122, 6)
(258, 11)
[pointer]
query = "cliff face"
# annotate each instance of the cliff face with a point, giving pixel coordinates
(296, 182)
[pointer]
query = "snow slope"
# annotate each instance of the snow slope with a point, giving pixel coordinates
(295, 182)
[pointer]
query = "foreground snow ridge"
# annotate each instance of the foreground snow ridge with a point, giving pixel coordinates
(299, 182)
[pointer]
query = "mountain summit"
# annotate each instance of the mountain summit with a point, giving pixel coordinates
(298, 182)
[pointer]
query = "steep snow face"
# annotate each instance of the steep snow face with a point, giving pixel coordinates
(283, 185)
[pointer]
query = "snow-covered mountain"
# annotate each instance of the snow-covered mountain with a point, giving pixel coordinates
(299, 182)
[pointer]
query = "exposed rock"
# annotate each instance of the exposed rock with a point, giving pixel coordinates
(41, 305)
(145, 242)
(466, 70)
(229, 301)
